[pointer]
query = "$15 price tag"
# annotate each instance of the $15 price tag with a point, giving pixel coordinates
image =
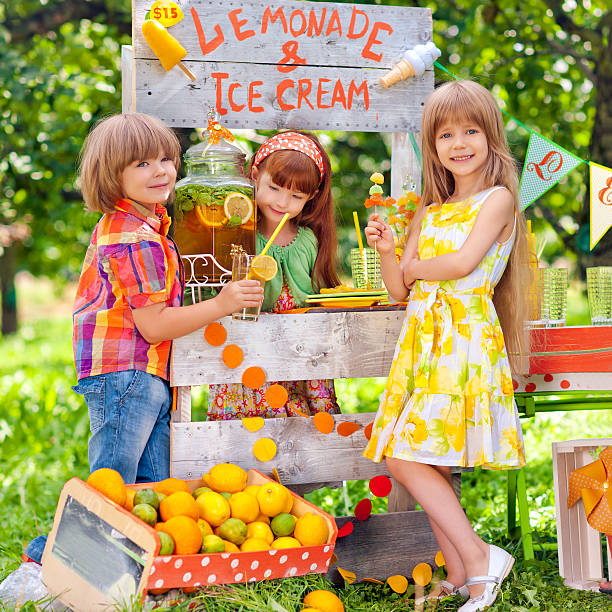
(166, 12)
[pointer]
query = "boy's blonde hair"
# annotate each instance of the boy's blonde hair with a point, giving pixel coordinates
(470, 102)
(113, 144)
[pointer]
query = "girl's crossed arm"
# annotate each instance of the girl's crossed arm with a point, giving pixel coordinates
(496, 215)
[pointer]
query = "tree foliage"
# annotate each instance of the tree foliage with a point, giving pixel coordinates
(548, 63)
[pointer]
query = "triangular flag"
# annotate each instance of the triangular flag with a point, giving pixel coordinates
(601, 201)
(546, 164)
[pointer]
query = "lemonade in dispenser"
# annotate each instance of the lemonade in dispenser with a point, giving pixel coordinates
(214, 207)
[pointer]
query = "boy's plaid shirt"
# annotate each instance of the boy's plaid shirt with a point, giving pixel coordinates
(130, 263)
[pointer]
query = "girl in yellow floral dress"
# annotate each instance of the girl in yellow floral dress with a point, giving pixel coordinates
(449, 397)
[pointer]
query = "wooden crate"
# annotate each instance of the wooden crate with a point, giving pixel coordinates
(580, 546)
(294, 347)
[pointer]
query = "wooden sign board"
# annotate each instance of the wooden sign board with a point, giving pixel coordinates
(272, 65)
(98, 555)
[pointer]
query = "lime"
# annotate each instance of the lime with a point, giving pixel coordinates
(167, 543)
(283, 524)
(200, 490)
(212, 544)
(263, 267)
(238, 205)
(160, 497)
(233, 530)
(147, 496)
(145, 513)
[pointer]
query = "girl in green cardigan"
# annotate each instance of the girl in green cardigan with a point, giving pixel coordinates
(292, 174)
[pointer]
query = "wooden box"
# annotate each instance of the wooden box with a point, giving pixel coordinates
(580, 546)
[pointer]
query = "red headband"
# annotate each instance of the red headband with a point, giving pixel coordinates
(291, 141)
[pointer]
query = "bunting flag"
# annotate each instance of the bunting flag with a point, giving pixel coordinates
(546, 164)
(601, 201)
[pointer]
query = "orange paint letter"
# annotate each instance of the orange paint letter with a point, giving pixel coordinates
(304, 87)
(238, 23)
(268, 16)
(214, 43)
(351, 33)
(235, 107)
(339, 95)
(302, 28)
(321, 92)
(354, 90)
(253, 95)
(334, 24)
(280, 90)
(313, 26)
(219, 76)
(367, 51)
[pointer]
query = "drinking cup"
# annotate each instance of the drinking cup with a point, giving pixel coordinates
(599, 291)
(553, 296)
(372, 267)
(241, 270)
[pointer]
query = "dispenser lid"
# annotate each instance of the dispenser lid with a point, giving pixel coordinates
(216, 141)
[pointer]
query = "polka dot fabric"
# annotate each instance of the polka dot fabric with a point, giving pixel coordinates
(294, 142)
(179, 571)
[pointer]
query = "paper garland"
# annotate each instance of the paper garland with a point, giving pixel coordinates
(545, 165)
(601, 201)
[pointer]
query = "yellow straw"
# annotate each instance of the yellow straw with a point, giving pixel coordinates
(361, 251)
(274, 234)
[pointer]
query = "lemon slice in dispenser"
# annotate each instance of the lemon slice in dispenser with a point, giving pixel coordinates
(236, 204)
(263, 267)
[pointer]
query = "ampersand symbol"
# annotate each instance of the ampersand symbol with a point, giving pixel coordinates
(292, 59)
(605, 195)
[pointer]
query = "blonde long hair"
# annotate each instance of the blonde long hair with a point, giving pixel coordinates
(469, 101)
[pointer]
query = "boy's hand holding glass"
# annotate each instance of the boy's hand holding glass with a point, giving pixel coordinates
(237, 295)
(379, 235)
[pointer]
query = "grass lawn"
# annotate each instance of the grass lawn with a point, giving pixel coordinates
(43, 437)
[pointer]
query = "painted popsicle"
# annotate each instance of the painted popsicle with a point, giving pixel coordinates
(168, 50)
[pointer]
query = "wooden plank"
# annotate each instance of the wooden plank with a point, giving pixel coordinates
(378, 37)
(384, 545)
(404, 163)
(560, 484)
(128, 94)
(293, 347)
(314, 98)
(182, 411)
(303, 454)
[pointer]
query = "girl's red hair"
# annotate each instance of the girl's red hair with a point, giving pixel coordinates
(295, 170)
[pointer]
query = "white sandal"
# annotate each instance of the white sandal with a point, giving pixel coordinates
(500, 564)
(451, 591)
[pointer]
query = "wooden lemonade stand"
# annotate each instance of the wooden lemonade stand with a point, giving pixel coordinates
(315, 66)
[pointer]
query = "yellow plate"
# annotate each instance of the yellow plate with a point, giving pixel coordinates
(349, 301)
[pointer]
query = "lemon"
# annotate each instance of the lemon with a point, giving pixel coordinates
(286, 542)
(262, 518)
(311, 530)
(213, 508)
(252, 490)
(244, 506)
(230, 546)
(238, 205)
(323, 600)
(226, 477)
(205, 528)
(254, 544)
(272, 498)
(263, 268)
(260, 531)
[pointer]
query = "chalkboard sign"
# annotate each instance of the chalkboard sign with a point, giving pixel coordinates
(98, 554)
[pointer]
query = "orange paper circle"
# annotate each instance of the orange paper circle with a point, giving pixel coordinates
(264, 449)
(276, 396)
(347, 428)
(232, 356)
(439, 559)
(422, 574)
(215, 334)
(253, 423)
(367, 432)
(398, 583)
(253, 377)
(324, 422)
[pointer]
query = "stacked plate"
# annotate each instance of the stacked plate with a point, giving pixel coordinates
(348, 299)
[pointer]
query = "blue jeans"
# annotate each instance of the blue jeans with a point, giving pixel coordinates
(129, 416)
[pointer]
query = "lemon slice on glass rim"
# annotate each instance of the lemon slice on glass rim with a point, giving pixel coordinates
(263, 268)
(237, 204)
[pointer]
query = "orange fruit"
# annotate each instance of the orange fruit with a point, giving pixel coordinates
(311, 530)
(323, 600)
(185, 533)
(180, 503)
(129, 498)
(109, 483)
(210, 216)
(171, 485)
